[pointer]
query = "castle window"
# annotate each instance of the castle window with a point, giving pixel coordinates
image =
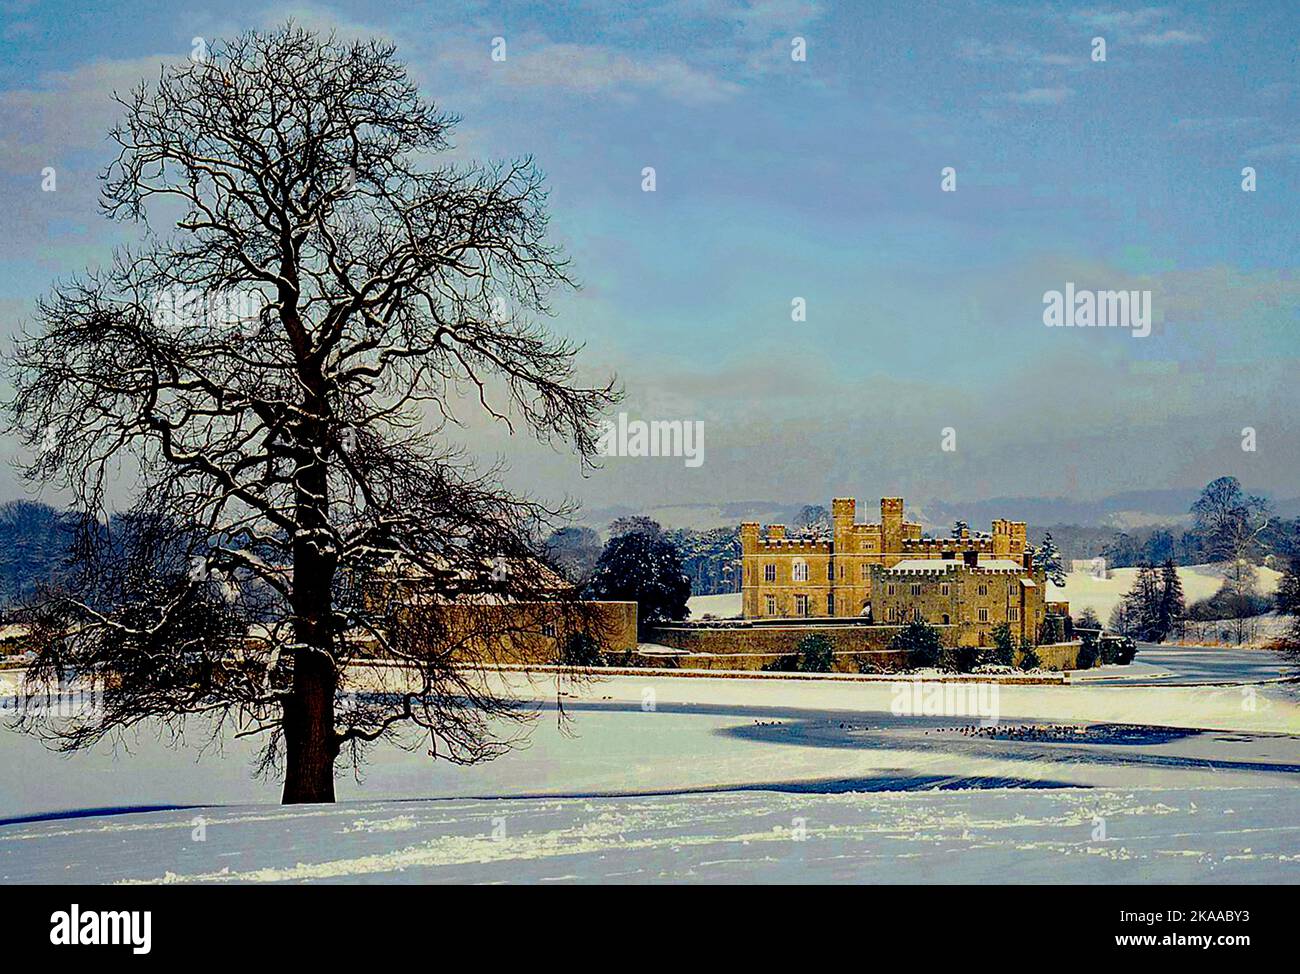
(943, 590)
(769, 573)
(1014, 614)
(916, 588)
(771, 605)
(830, 605)
(866, 571)
(984, 590)
(801, 605)
(983, 615)
(945, 618)
(830, 571)
(800, 571)
(891, 589)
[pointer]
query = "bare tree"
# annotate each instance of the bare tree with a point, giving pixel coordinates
(1230, 519)
(305, 556)
(1232, 522)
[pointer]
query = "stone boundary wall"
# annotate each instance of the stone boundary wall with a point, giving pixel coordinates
(777, 640)
(751, 647)
(1027, 679)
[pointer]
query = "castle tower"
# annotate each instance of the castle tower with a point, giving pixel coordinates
(749, 568)
(891, 528)
(843, 511)
(1009, 539)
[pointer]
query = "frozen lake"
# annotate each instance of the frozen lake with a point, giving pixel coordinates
(722, 780)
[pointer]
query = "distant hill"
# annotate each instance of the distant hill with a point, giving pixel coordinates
(1127, 511)
(1124, 511)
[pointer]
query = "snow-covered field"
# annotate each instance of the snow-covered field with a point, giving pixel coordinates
(989, 837)
(1101, 595)
(727, 780)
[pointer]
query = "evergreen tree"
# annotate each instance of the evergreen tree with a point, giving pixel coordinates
(1029, 656)
(1139, 613)
(816, 654)
(1003, 652)
(1287, 598)
(1087, 619)
(1173, 606)
(813, 654)
(1149, 595)
(1088, 651)
(1048, 557)
(710, 558)
(643, 566)
(921, 642)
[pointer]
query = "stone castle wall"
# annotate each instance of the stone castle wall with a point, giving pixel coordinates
(749, 647)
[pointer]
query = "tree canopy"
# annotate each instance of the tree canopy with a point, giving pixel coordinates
(275, 375)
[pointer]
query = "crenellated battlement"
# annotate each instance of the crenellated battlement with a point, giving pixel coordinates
(795, 544)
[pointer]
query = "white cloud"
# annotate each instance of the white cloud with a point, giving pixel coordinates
(1148, 26)
(973, 49)
(1039, 96)
(1276, 150)
(1171, 37)
(1217, 125)
(1113, 17)
(590, 69)
(69, 110)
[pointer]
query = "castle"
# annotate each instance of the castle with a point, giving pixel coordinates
(891, 574)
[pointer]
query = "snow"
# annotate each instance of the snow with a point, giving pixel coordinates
(1227, 836)
(716, 779)
(725, 606)
(1082, 590)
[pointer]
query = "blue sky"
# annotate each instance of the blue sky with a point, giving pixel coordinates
(821, 179)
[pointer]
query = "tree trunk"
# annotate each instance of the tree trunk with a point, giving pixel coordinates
(309, 743)
(309, 737)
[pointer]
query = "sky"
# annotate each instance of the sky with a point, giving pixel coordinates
(821, 179)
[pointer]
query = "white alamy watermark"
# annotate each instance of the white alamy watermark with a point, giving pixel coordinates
(63, 702)
(124, 928)
(932, 698)
(652, 438)
(1098, 309)
(179, 307)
